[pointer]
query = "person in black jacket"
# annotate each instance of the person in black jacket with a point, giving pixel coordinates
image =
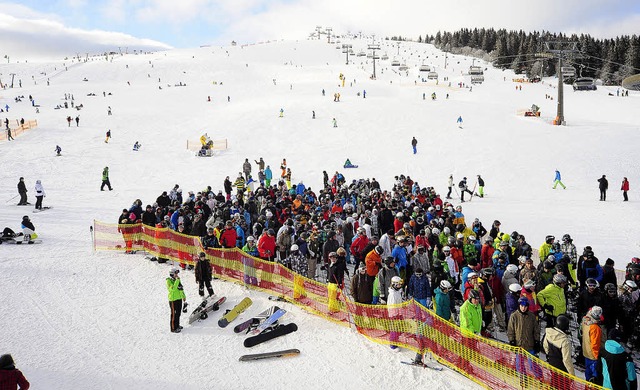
(22, 190)
(203, 274)
(336, 270)
(603, 186)
(163, 200)
(149, 217)
(329, 247)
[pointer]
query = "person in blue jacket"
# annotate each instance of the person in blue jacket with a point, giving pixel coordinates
(618, 370)
(419, 288)
(557, 181)
(399, 253)
(268, 175)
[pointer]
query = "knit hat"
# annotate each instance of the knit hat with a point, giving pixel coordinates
(523, 302)
(596, 313)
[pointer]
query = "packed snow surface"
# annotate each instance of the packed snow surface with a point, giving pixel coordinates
(77, 319)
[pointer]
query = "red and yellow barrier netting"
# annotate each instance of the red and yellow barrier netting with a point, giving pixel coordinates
(490, 363)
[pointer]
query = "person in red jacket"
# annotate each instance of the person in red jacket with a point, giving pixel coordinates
(486, 254)
(358, 245)
(267, 245)
(625, 188)
(10, 376)
(228, 236)
(398, 222)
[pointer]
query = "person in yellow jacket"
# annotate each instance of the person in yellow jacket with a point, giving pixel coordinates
(545, 248)
(471, 313)
(593, 339)
(176, 297)
(552, 299)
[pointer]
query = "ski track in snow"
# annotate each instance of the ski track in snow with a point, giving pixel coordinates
(75, 319)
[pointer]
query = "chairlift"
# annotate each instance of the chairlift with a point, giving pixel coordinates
(476, 70)
(568, 71)
(395, 62)
(361, 53)
(385, 57)
(584, 84)
(477, 79)
(432, 76)
(425, 68)
(403, 67)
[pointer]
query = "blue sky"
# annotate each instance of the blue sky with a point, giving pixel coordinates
(191, 23)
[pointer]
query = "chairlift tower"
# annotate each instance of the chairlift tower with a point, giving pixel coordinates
(328, 30)
(373, 47)
(561, 50)
(319, 31)
(345, 49)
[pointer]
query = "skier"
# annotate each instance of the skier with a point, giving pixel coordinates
(394, 297)
(335, 123)
(450, 186)
(39, 194)
(603, 186)
(10, 376)
(203, 274)
(480, 187)
(625, 188)
(268, 175)
(58, 150)
(106, 140)
(557, 181)
(176, 297)
(22, 190)
(557, 345)
(459, 121)
(105, 179)
(9, 136)
(471, 313)
(618, 370)
(136, 146)
(414, 144)
(592, 340)
(281, 112)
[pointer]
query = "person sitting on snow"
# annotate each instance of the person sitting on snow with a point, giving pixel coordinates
(347, 164)
(28, 230)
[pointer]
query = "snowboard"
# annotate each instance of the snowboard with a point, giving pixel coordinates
(45, 208)
(255, 321)
(269, 321)
(277, 332)
(350, 166)
(208, 304)
(269, 355)
(235, 312)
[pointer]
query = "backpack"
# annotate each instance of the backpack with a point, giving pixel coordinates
(462, 184)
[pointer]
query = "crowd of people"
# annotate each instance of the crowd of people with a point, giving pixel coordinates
(386, 246)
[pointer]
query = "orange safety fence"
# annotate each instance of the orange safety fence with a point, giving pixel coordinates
(409, 325)
(18, 129)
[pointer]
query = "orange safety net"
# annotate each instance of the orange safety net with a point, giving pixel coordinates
(409, 325)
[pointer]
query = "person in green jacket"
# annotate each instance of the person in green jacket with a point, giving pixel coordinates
(443, 300)
(105, 179)
(552, 299)
(176, 297)
(471, 313)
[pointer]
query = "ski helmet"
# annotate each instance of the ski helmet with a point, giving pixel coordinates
(435, 231)
(379, 250)
(446, 249)
(559, 279)
(471, 238)
(487, 272)
(591, 282)
(250, 239)
(515, 288)
(294, 248)
(202, 254)
(562, 323)
(445, 285)
(451, 240)
(629, 285)
(566, 238)
(396, 280)
(512, 268)
(447, 231)
(474, 294)
(174, 271)
(549, 239)
(610, 288)
(595, 312)
(472, 275)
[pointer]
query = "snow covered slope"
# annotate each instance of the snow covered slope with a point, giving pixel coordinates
(74, 319)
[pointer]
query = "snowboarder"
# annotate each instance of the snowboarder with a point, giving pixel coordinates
(625, 188)
(58, 150)
(449, 186)
(10, 376)
(203, 274)
(557, 181)
(22, 190)
(106, 140)
(335, 122)
(136, 146)
(281, 112)
(480, 187)
(603, 185)
(39, 194)
(105, 179)
(459, 121)
(463, 188)
(414, 145)
(28, 230)
(176, 297)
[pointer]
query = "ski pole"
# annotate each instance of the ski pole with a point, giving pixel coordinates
(12, 199)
